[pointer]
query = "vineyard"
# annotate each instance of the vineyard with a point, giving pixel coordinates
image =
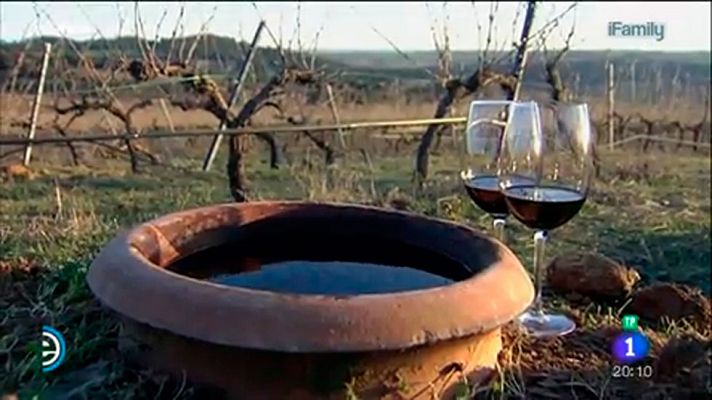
(97, 136)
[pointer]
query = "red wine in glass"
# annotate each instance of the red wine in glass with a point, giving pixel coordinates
(543, 207)
(484, 192)
(483, 142)
(551, 144)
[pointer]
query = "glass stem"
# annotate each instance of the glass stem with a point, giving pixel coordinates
(498, 225)
(539, 269)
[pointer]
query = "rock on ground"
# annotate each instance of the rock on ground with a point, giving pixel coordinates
(684, 360)
(671, 300)
(397, 200)
(591, 275)
(14, 172)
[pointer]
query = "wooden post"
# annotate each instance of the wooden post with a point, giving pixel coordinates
(166, 114)
(397, 95)
(36, 104)
(577, 86)
(707, 105)
(674, 88)
(632, 81)
(15, 72)
(658, 85)
(233, 96)
(335, 115)
(611, 104)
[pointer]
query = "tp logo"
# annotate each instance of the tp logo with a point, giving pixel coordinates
(53, 349)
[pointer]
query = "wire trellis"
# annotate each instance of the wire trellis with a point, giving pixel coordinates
(238, 131)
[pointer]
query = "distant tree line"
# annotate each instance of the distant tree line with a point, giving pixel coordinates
(643, 75)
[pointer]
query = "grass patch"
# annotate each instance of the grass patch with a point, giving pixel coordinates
(653, 214)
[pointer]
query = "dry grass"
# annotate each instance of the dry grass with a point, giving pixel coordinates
(15, 111)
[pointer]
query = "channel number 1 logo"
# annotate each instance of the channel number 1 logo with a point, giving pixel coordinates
(631, 345)
(53, 349)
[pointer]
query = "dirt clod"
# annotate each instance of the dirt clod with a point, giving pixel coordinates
(682, 357)
(673, 301)
(13, 172)
(398, 200)
(590, 274)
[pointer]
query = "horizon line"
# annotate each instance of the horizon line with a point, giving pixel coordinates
(362, 50)
(357, 50)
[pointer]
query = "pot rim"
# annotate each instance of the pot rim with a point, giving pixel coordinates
(135, 285)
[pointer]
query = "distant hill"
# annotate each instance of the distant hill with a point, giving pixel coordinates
(655, 72)
(692, 68)
(391, 59)
(214, 54)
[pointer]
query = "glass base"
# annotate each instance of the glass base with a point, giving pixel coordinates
(546, 325)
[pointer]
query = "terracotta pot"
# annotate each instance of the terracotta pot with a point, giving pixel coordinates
(265, 345)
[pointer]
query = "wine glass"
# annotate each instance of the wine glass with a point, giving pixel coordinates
(483, 138)
(550, 144)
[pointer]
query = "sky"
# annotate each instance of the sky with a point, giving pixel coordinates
(370, 25)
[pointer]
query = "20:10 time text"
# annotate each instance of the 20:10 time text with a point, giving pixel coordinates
(627, 371)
